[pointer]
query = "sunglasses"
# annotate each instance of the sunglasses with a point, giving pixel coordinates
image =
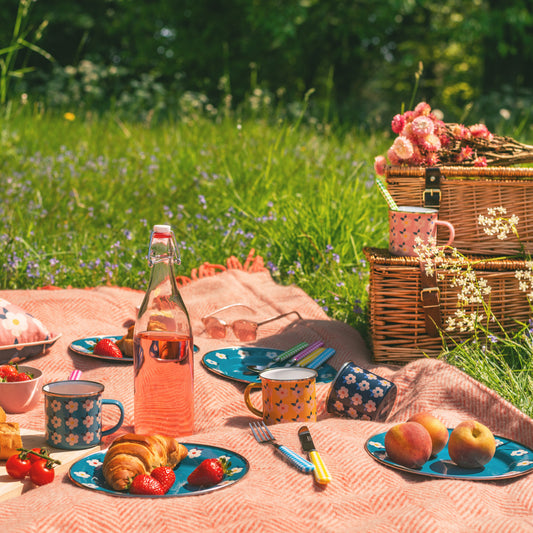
(244, 330)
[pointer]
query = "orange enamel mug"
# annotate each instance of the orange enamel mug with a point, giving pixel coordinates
(289, 395)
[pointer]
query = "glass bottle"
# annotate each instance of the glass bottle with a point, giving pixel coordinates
(163, 347)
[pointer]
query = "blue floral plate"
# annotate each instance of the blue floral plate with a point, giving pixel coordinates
(87, 472)
(232, 363)
(510, 460)
(86, 347)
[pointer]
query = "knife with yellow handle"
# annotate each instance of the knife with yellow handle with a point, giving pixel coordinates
(320, 472)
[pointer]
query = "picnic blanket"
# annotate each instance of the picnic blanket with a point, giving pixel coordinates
(363, 496)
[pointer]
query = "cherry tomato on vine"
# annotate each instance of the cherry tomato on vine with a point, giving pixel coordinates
(34, 458)
(40, 473)
(18, 468)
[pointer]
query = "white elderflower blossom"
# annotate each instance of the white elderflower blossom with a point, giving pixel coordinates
(430, 255)
(496, 223)
(460, 273)
(525, 279)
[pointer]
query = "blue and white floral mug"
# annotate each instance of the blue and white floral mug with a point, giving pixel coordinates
(73, 414)
(359, 393)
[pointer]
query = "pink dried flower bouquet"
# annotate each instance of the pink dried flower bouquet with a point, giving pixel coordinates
(425, 140)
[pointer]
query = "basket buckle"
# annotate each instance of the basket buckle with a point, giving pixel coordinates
(432, 194)
(429, 200)
(429, 290)
(430, 297)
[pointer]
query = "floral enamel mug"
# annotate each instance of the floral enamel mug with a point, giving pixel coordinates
(73, 414)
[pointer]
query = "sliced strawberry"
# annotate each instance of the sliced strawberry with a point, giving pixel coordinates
(209, 472)
(107, 348)
(147, 485)
(21, 376)
(165, 475)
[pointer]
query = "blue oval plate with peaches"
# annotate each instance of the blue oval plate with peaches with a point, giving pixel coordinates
(510, 460)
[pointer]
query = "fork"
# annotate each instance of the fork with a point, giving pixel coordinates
(264, 436)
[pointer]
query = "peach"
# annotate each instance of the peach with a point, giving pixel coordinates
(408, 444)
(471, 444)
(436, 429)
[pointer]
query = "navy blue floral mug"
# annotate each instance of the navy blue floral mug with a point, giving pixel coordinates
(73, 414)
(361, 394)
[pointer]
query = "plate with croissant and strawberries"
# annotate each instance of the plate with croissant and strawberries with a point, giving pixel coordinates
(176, 469)
(115, 348)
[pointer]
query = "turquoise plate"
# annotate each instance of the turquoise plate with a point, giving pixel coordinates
(231, 363)
(510, 460)
(86, 347)
(87, 472)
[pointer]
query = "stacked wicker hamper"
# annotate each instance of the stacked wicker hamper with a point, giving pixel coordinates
(402, 303)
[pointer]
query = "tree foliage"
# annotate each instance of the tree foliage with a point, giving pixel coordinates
(360, 56)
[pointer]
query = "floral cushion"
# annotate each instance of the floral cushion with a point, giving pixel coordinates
(21, 334)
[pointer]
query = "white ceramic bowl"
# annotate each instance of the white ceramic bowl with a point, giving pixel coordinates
(21, 396)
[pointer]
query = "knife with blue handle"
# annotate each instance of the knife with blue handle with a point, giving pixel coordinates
(320, 472)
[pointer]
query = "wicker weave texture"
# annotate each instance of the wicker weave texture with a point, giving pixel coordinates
(467, 193)
(397, 318)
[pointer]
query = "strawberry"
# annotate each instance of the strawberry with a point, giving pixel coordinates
(21, 376)
(7, 371)
(146, 485)
(165, 475)
(107, 348)
(210, 472)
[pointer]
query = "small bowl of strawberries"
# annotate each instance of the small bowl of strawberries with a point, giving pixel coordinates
(20, 388)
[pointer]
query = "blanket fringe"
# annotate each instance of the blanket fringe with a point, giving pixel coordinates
(253, 263)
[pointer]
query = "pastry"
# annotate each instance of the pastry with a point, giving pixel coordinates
(126, 343)
(133, 454)
(10, 440)
(161, 321)
(2, 415)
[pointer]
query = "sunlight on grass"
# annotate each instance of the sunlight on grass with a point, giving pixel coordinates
(80, 196)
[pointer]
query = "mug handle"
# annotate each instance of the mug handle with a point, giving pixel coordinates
(247, 391)
(451, 229)
(116, 403)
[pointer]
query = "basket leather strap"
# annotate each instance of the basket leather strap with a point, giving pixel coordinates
(430, 296)
(432, 190)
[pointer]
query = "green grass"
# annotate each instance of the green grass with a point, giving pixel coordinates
(78, 200)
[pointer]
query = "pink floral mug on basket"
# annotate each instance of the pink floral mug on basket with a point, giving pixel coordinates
(408, 224)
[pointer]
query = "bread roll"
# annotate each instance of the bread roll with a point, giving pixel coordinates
(133, 454)
(10, 440)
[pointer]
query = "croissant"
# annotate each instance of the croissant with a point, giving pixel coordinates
(133, 454)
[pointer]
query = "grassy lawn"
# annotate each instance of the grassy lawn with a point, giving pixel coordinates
(79, 198)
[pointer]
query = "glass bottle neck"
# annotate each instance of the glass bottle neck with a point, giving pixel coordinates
(163, 248)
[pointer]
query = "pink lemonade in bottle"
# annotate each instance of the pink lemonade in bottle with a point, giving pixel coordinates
(166, 359)
(163, 348)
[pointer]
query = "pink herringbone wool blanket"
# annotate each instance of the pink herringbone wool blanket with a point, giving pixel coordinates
(363, 495)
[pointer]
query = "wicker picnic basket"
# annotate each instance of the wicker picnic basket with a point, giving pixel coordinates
(461, 194)
(398, 312)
